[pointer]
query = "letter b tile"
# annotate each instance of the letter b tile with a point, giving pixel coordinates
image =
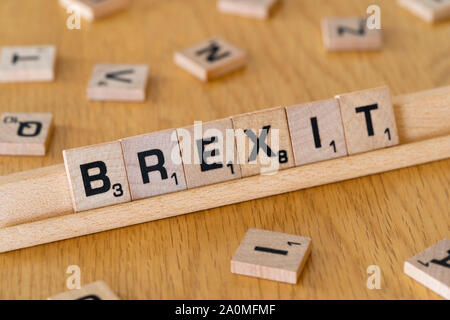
(368, 119)
(97, 176)
(153, 164)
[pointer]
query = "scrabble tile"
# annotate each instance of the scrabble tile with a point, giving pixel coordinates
(368, 119)
(262, 141)
(209, 154)
(247, 8)
(25, 133)
(316, 131)
(432, 268)
(271, 255)
(428, 10)
(27, 64)
(98, 290)
(153, 164)
(118, 82)
(94, 9)
(211, 59)
(340, 34)
(97, 176)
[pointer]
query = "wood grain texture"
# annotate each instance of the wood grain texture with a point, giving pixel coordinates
(383, 219)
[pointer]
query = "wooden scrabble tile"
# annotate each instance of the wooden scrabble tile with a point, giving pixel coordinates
(428, 10)
(94, 9)
(211, 59)
(97, 176)
(118, 82)
(98, 290)
(26, 64)
(350, 33)
(25, 133)
(208, 152)
(263, 142)
(153, 164)
(432, 268)
(368, 119)
(271, 255)
(316, 131)
(247, 8)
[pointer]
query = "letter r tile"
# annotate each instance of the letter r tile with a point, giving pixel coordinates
(97, 176)
(208, 152)
(368, 119)
(153, 164)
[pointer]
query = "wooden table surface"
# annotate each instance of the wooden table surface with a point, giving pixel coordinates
(377, 220)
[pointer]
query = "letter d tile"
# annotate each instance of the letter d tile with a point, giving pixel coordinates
(97, 176)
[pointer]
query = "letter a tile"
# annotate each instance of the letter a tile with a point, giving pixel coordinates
(25, 133)
(98, 290)
(263, 142)
(115, 82)
(208, 152)
(27, 64)
(316, 131)
(211, 59)
(271, 255)
(369, 120)
(432, 268)
(153, 164)
(97, 176)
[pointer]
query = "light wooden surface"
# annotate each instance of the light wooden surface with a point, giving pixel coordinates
(382, 219)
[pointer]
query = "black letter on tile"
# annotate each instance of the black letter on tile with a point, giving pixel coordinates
(366, 110)
(87, 179)
(159, 166)
(204, 155)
